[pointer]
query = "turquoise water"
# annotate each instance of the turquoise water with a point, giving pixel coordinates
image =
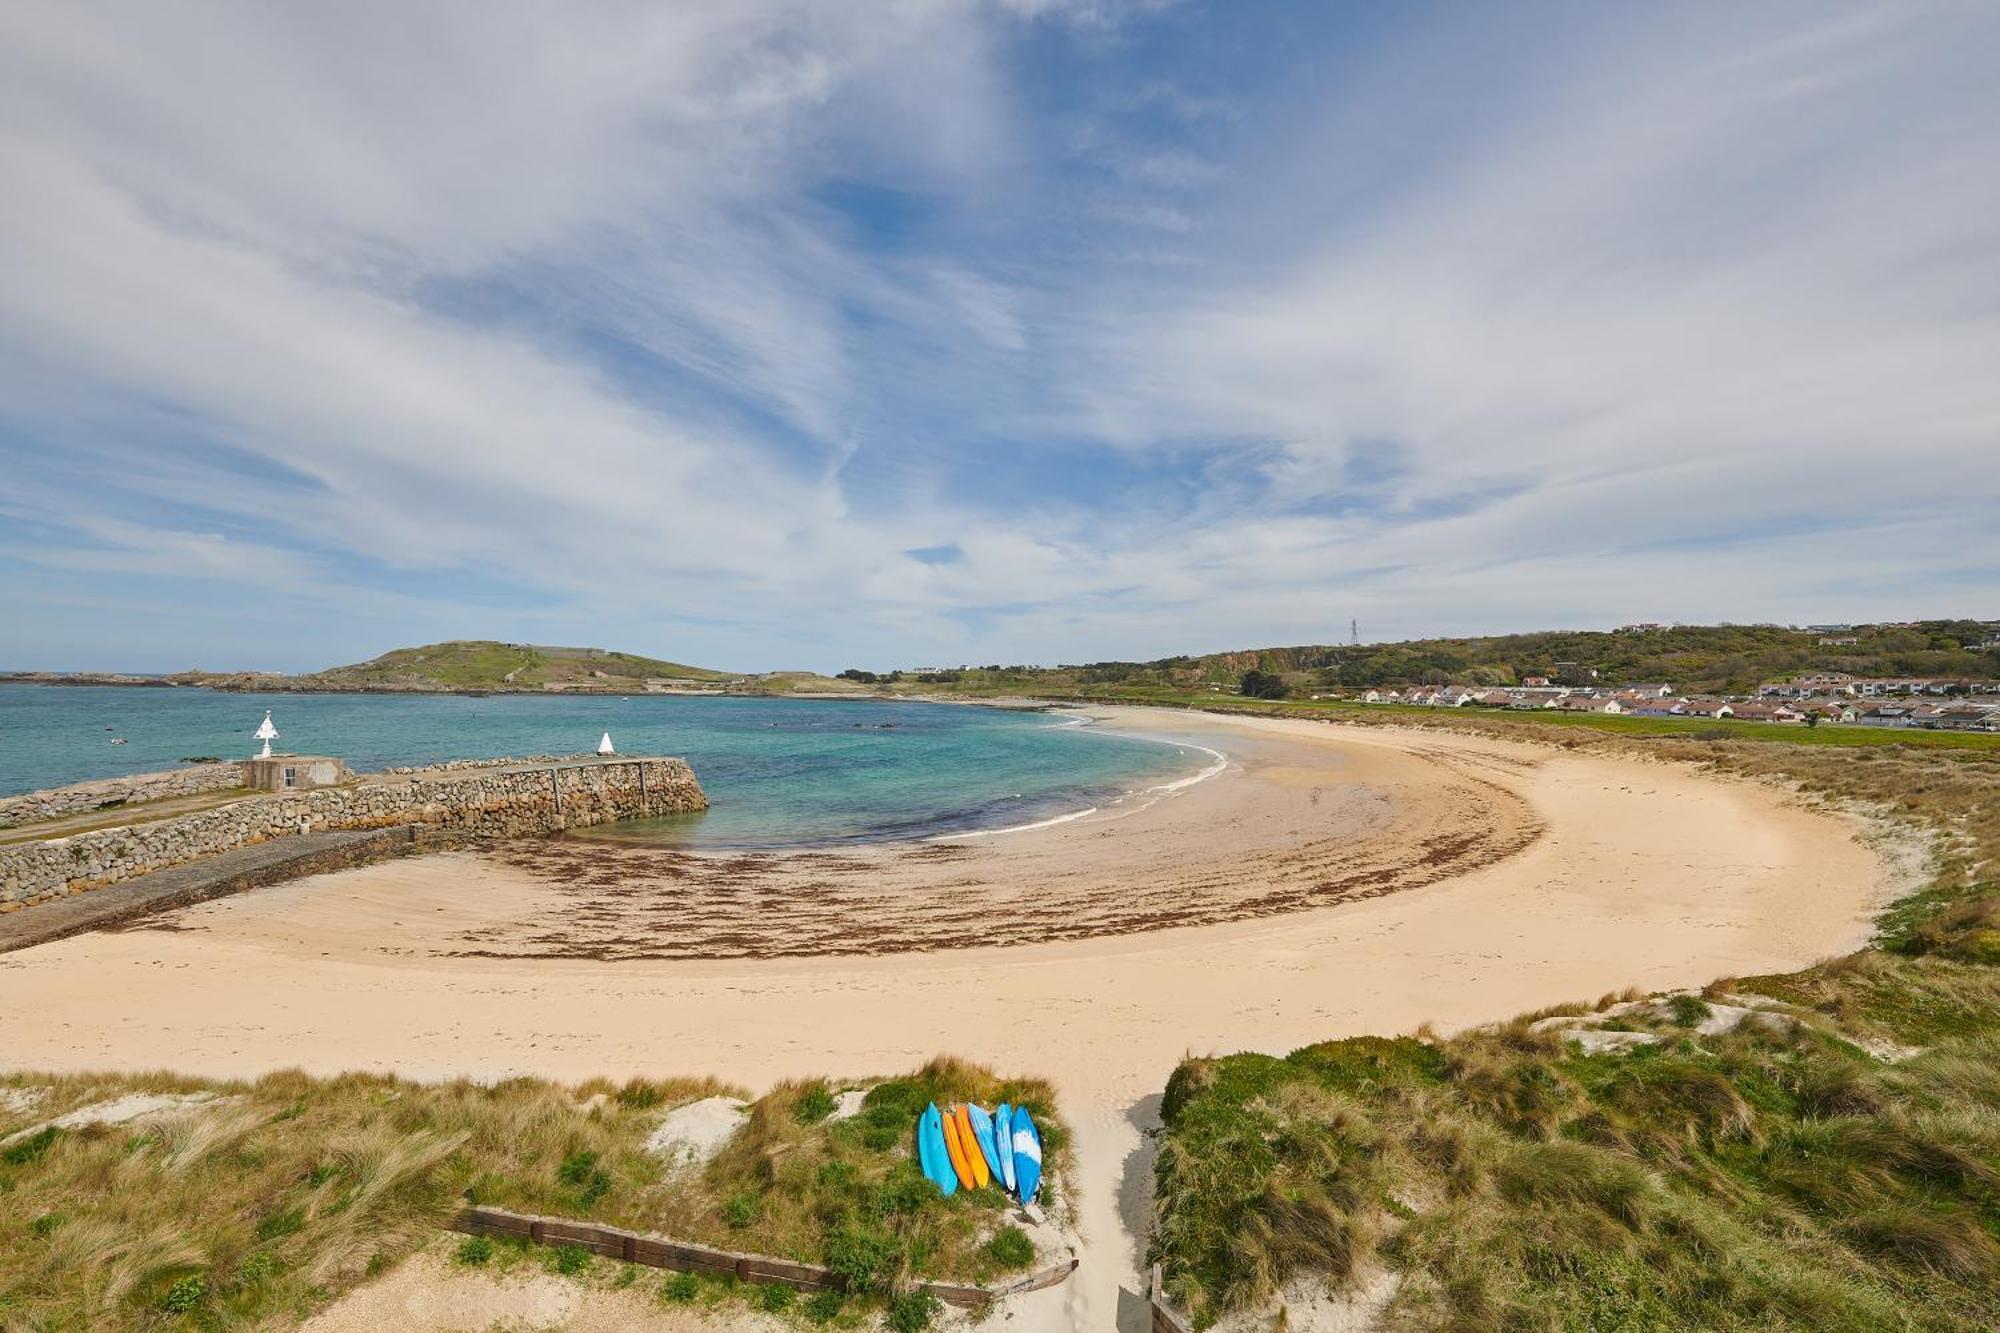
(779, 772)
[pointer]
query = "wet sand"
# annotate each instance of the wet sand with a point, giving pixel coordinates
(1230, 915)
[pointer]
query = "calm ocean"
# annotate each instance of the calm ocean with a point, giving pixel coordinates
(780, 772)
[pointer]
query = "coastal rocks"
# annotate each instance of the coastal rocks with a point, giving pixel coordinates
(107, 793)
(480, 803)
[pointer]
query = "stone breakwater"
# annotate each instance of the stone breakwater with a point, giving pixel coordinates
(105, 792)
(480, 803)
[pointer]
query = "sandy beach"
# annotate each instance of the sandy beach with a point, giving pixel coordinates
(1330, 881)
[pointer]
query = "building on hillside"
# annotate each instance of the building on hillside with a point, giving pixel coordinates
(1659, 689)
(1535, 682)
(1837, 640)
(1800, 687)
(1642, 627)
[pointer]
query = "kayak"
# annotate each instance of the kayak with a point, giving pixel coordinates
(961, 1161)
(1027, 1154)
(982, 1134)
(931, 1153)
(1003, 1138)
(968, 1143)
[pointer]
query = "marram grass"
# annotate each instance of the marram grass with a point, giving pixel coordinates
(262, 1201)
(1837, 1170)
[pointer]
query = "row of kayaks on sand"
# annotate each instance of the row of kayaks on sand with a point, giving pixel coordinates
(969, 1146)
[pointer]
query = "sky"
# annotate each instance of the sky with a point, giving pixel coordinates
(764, 334)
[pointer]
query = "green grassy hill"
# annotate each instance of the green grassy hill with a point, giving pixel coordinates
(1692, 658)
(463, 664)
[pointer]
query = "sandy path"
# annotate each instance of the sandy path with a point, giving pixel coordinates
(1643, 874)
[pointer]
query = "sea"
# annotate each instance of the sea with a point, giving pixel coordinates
(779, 773)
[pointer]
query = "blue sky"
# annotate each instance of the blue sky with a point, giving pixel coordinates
(766, 334)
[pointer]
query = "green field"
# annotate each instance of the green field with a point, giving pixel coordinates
(1501, 721)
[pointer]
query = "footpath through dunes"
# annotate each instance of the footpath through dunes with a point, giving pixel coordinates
(1643, 874)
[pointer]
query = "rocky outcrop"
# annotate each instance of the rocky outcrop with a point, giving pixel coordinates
(479, 803)
(107, 793)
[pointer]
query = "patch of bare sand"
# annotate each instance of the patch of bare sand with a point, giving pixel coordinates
(429, 1294)
(1645, 874)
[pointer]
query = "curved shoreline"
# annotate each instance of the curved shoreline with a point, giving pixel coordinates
(1645, 873)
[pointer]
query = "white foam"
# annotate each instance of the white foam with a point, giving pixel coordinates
(1147, 796)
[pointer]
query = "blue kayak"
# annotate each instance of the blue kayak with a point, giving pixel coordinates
(1003, 1138)
(932, 1155)
(982, 1133)
(1027, 1155)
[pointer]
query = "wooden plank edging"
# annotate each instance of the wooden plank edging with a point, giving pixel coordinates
(1166, 1319)
(658, 1252)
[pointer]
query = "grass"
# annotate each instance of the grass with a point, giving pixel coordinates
(264, 1202)
(1836, 1170)
(1526, 725)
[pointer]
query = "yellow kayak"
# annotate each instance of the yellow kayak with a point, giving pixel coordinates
(955, 1149)
(969, 1145)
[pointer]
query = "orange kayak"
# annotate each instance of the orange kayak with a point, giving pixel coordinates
(955, 1149)
(969, 1144)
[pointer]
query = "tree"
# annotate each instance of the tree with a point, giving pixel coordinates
(1262, 685)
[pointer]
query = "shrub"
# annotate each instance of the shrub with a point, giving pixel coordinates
(681, 1288)
(913, 1311)
(862, 1260)
(475, 1250)
(742, 1210)
(815, 1104)
(1689, 1010)
(776, 1297)
(184, 1295)
(570, 1260)
(1011, 1248)
(823, 1307)
(46, 1224)
(576, 1168)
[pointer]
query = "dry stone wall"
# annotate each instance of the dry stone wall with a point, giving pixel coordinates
(481, 803)
(84, 796)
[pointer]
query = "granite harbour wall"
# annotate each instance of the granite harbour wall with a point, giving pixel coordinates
(475, 803)
(111, 792)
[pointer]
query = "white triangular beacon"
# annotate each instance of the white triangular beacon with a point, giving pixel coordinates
(604, 746)
(266, 733)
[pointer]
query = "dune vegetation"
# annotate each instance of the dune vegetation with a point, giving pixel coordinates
(216, 1204)
(1817, 1150)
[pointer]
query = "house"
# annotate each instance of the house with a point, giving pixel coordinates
(1493, 698)
(1646, 705)
(1885, 715)
(1658, 689)
(1827, 710)
(1757, 711)
(1967, 717)
(1838, 641)
(1800, 687)
(1585, 703)
(1706, 708)
(1535, 682)
(1525, 700)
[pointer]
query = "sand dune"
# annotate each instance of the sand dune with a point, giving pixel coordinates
(1201, 922)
